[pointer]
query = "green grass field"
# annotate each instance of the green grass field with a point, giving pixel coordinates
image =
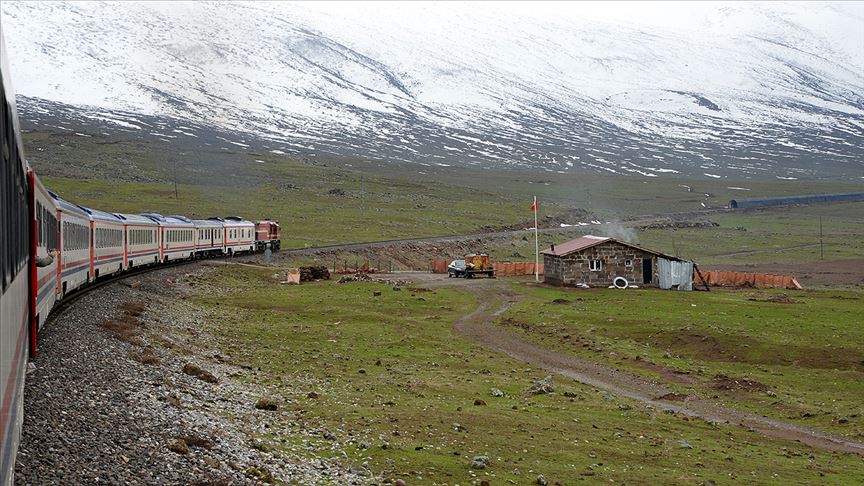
(395, 381)
(811, 365)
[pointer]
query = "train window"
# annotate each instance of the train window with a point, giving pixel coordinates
(40, 237)
(13, 206)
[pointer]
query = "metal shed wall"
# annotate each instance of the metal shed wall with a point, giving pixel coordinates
(673, 273)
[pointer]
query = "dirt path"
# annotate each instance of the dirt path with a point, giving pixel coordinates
(495, 300)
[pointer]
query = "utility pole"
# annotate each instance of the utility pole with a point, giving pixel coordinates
(362, 199)
(536, 244)
(175, 179)
(821, 248)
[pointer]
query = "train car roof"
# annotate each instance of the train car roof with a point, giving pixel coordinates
(237, 221)
(67, 206)
(97, 215)
(155, 217)
(136, 218)
(176, 221)
(209, 223)
(168, 220)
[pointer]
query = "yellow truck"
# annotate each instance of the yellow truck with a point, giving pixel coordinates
(473, 264)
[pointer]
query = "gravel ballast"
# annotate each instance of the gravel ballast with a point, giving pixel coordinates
(111, 403)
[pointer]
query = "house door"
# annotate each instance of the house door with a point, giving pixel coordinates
(647, 270)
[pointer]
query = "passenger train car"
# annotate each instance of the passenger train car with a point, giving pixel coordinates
(45, 233)
(210, 238)
(107, 249)
(51, 248)
(176, 237)
(239, 234)
(74, 257)
(15, 250)
(141, 241)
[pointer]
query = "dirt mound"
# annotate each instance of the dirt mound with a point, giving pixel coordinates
(777, 299)
(125, 328)
(309, 274)
(196, 371)
(509, 321)
(723, 382)
(671, 374)
(674, 397)
(706, 346)
(134, 309)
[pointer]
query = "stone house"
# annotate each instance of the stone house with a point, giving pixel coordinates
(597, 261)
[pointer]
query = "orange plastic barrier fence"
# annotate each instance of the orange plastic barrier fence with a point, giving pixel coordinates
(440, 266)
(503, 269)
(755, 280)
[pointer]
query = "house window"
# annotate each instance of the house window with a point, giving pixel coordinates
(628, 263)
(596, 265)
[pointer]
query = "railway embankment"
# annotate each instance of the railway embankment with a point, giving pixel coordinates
(127, 391)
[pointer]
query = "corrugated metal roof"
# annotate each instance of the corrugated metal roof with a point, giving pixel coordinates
(578, 244)
(588, 241)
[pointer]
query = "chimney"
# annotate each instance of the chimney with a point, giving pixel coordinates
(553, 248)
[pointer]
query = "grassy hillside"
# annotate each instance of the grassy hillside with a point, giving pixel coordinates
(325, 201)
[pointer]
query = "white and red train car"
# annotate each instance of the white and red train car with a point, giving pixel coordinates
(209, 238)
(15, 294)
(75, 258)
(142, 246)
(44, 239)
(107, 248)
(239, 234)
(176, 237)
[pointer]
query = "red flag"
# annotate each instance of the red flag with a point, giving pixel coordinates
(534, 206)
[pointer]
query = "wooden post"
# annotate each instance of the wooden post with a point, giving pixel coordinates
(695, 267)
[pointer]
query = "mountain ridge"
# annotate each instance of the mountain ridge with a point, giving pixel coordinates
(476, 88)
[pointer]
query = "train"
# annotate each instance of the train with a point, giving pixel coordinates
(51, 248)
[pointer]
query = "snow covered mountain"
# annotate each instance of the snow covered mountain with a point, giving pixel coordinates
(709, 90)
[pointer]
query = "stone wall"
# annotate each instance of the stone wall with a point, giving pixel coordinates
(576, 267)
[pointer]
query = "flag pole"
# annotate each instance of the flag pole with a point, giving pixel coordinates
(536, 243)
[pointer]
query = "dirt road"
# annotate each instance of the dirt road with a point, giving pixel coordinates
(496, 297)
